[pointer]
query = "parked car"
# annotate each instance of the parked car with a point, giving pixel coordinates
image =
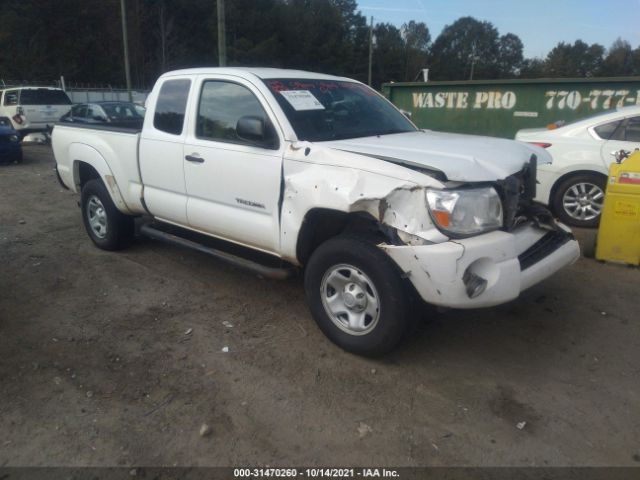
(10, 148)
(297, 169)
(574, 184)
(33, 109)
(116, 114)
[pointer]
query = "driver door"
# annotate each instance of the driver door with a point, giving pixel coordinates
(233, 185)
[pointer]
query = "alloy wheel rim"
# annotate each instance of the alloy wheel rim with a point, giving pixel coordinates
(583, 201)
(350, 299)
(97, 216)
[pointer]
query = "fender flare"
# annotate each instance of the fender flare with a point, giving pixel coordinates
(82, 153)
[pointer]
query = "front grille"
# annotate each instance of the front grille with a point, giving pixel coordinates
(548, 244)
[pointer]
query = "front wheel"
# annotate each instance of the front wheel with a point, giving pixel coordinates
(107, 227)
(356, 296)
(578, 200)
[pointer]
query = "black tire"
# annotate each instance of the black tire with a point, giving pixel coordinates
(118, 227)
(392, 321)
(568, 217)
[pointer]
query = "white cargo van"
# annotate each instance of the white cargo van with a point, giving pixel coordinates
(33, 109)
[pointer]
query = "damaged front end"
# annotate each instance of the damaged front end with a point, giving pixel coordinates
(517, 193)
(461, 244)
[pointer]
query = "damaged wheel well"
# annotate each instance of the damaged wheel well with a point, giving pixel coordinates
(321, 224)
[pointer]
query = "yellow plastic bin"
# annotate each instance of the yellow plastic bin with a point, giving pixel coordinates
(619, 232)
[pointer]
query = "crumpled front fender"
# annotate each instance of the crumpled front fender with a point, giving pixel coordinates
(345, 182)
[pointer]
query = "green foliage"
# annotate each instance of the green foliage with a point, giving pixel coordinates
(581, 60)
(510, 59)
(577, 60)
(417, 40)
(82, 40)
(620, 59)
(466, 49)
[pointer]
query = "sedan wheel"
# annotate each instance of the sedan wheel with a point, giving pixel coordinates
(578, 200)
(583, 201)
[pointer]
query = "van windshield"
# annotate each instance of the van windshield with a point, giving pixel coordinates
(43, 96)
(323, 110)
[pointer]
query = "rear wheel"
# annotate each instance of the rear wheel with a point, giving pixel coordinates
(107, 227)
(578, 200)
(356, 296)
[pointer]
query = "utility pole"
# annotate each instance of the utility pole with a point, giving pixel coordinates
(370, 49)
(126, 48)
(473, 59)
(222, 44)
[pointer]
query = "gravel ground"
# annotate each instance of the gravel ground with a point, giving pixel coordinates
(119, 359)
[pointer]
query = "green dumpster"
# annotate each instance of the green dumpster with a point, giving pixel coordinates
(502, 107)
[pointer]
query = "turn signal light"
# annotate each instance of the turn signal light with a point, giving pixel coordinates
(443, 218)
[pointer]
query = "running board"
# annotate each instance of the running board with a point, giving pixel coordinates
(257, 268)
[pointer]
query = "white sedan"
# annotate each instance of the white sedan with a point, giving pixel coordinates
(573, 185)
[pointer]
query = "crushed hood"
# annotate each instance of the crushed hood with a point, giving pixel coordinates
(462, 158)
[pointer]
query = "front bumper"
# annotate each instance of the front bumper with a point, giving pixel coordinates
(510, 262)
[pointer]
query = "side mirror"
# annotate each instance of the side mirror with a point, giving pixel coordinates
(251, 129)
(255, 130)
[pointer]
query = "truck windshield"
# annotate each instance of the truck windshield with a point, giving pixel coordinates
(323, 110)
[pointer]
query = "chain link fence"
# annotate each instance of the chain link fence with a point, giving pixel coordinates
(83, 92)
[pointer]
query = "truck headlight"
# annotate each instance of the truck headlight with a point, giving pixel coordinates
(465, 212)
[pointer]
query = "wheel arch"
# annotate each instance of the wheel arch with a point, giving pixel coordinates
(321, 224)
(89, 164)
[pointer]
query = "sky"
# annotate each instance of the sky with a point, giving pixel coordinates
(540, 24)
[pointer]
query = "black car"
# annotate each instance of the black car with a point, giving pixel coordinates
(10, 148)
(117, 114)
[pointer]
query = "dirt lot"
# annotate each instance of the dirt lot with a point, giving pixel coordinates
(96, 368)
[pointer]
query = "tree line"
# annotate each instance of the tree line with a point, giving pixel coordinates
(82, 40)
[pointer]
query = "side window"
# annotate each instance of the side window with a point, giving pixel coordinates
(79, 111)
(606, 131)
(11, 97)
(171, 105)
(222, 104)
(632, 131)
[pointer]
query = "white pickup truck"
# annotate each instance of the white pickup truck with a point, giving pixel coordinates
(281, 171)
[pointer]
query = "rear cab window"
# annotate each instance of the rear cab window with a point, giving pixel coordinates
(171, 106)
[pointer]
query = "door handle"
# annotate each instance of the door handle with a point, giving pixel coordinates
(194, 159)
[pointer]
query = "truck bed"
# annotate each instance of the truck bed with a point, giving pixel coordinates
(111, 151)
